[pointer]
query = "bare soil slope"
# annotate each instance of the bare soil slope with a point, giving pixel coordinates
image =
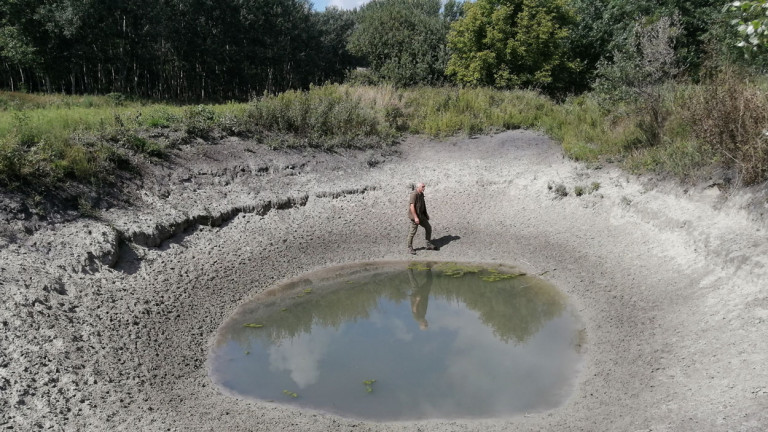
(106, 323)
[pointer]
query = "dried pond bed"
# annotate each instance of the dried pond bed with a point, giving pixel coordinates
(670, 283)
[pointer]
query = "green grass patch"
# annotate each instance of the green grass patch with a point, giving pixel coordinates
(47, 140)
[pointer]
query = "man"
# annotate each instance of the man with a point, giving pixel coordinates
(417, 213)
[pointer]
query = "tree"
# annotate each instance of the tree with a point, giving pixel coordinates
(605, 28)
(512, 43)
(334, 27)
(751, 19)
(403, 41)
(171, 49)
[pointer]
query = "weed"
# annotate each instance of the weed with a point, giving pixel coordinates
(495, 276)
(456, 270)
(86, 209)
(579, 190)
(199, 121)
(369, 385)
(558, 189)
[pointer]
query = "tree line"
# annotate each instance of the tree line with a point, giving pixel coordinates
(235, 49)
(175, 49)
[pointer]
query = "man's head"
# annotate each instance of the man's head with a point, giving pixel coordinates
(420, 187)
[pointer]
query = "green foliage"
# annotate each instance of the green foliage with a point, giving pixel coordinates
(512, 44)
(729, 116)
(447, 111)
(639, 72)
(719, 122)
(325, 117)
(182, 50)
(369, 385)
(334, 60)
(403, 41)
(604, 28)
(199, 121)
(751, 21)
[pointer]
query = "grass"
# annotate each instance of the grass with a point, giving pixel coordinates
(49, 140)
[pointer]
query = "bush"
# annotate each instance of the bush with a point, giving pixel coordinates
(199, 121)
(731, 115)
(322, 117)
(639, 71)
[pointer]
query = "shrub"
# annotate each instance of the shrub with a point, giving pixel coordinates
(731, 115)
(199, 121)
(323, 117)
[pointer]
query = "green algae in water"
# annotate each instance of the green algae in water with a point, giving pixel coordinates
(444, 340)
(369, 385)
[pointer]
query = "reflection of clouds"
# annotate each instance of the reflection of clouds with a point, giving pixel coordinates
(397, 326)
(538, 368)
(474, 353)
(301, 356)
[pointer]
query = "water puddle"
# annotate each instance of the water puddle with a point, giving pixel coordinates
(404, 341)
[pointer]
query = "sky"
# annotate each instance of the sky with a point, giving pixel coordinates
(320, 5)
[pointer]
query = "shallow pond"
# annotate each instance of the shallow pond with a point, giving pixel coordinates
(404, 341)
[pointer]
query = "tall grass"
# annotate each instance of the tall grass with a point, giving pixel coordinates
(50, 140)
(326, 117)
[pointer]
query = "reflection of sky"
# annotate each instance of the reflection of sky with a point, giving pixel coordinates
(536, 368)
(456, 368)
(396, 325)
(301, 355)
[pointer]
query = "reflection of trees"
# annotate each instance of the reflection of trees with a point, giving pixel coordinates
(514, 308)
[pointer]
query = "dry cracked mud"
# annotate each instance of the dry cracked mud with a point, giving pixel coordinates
(106, 322)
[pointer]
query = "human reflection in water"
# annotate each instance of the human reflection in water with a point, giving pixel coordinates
(420, 297)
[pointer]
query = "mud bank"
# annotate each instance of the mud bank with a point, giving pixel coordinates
(106, 323)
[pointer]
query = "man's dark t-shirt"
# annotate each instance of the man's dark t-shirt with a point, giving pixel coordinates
(417, 199)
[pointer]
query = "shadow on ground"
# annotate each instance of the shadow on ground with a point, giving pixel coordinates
(444, 240)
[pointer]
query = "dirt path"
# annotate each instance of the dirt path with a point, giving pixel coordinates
(671, 283)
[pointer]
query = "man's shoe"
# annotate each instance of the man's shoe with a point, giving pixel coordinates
(411, 251)
(432, 247)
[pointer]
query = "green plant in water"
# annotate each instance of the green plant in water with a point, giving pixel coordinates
(290, 393)
(417, 266)
(253, 325)
(496, 276)
(369, 385)
(457, 270)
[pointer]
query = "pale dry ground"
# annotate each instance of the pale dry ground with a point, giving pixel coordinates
(670, 282)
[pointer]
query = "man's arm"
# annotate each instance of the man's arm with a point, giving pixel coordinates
(413, 213)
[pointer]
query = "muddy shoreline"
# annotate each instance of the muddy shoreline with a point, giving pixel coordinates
(107, 322)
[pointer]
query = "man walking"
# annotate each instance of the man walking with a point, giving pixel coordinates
(417, 213)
